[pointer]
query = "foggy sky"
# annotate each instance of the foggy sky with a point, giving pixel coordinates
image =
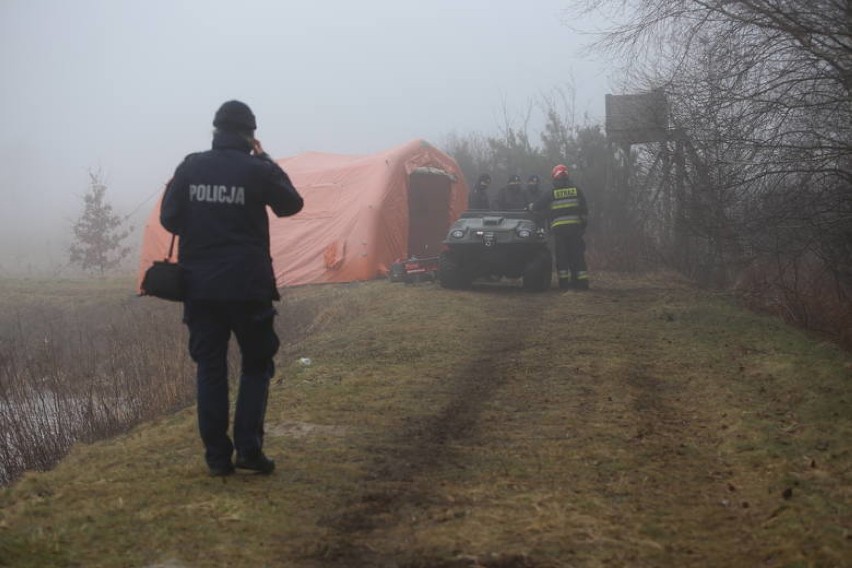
(129, 88)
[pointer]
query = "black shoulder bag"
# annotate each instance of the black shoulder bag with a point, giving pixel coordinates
(164, 279)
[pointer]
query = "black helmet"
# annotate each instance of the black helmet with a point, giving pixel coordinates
(533, 180)
(483, 181)
(235, 116)
(515, 180)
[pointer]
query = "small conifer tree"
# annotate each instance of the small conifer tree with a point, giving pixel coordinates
(99, 232)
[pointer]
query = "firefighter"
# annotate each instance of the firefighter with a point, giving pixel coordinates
(512, 197)
(478, 198)
(568, 212)
(533, 194)
(533, 187)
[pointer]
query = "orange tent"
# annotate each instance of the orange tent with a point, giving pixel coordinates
(361, 214)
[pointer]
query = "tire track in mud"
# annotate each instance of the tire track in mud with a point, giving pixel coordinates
(651, 437)
(424, 444)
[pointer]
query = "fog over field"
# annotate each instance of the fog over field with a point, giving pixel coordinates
(129, 88)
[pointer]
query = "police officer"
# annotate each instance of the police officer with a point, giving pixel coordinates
(512, 197)
(216, 204)
(568, 213)
(478, 198)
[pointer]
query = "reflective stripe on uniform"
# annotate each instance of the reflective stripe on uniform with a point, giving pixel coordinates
(564, 274)
(565, 198)
(582, 275)
(566, 220)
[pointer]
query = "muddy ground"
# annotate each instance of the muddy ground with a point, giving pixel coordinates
(643, 423)
(628, 426)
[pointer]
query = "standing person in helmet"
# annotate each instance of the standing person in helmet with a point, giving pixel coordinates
(533, 193)
(512, 197)
(216, 203)
(478, 198)
(566, 206)
(533, 187)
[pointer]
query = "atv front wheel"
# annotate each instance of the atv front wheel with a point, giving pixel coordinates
(538, 272)
(450, 272)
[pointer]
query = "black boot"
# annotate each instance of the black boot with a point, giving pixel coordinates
(222, 470)
(258, 463)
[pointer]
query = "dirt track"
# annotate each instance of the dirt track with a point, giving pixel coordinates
(397, 483)
(576, 432)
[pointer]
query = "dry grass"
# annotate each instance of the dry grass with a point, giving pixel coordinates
(805, 292)
(641, 424)
(82, 360)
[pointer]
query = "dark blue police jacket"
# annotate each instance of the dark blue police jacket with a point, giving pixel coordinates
(216, 203)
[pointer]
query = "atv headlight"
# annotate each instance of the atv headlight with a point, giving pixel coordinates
(457, 233)
(524, 233)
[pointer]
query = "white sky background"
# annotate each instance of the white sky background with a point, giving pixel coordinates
(130, 87)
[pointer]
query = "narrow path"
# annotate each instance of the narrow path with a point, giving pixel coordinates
(427, 442)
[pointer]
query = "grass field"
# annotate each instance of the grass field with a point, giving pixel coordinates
(644, 423)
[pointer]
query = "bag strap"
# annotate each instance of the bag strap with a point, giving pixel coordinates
(171, 247)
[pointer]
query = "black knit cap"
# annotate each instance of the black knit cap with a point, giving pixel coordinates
(235, 115)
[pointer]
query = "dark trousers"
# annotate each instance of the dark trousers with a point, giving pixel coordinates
(210, 326)
(570, 256)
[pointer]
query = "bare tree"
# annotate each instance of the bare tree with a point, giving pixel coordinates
(760, 99)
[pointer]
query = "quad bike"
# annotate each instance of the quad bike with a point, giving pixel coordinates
(494, 245)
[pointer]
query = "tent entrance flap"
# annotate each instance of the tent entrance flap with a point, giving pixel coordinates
(428, 211)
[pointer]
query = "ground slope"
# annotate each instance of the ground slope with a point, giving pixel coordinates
(643, 423)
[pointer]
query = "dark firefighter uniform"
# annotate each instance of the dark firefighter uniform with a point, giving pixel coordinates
(217, 205)
(533, 187)
(512, 197)
(567, 209)
(478, 198)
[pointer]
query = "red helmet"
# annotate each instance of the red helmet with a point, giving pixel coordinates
(559, 172)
